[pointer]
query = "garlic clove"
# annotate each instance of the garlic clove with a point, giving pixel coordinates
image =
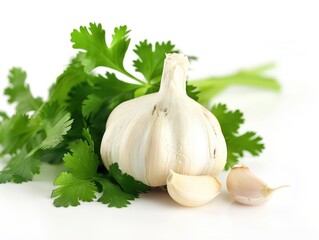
(192, 191)
(246, 188)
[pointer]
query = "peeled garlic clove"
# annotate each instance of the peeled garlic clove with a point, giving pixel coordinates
(246, 188)
(192, 191)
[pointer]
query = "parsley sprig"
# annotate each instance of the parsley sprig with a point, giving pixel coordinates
(67, 128)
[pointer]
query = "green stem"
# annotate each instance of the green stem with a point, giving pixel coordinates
(211, 86)
(238, 79)
(131, 76)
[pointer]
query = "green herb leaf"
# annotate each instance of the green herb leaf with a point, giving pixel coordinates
(237, 144)
(127, 182)
(113, 195)
(19, 92)
(192, 91)
(230, 120)
(72, 190)
(108, 91)
(56, 123)
(3, 115)
(79, 183)
(20, 169)
(98, 53)
(15, 132)
(81, 161)
(72, 76)
(151, 60)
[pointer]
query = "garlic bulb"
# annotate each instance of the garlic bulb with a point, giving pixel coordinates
(246, 188)
(192, 191)
(149, 135)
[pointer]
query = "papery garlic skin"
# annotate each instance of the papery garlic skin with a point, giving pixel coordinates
(149, 135)
(192, 191)
(246, 188)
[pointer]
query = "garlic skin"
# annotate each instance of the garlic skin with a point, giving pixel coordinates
(192, 191)
(149, 135)
(246, 188)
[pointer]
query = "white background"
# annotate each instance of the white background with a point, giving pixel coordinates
(226, 36)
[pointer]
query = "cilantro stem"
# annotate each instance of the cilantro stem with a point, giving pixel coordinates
(255, 81)
(211, 86)
(133, 77)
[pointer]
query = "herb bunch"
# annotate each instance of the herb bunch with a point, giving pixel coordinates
(67, 128)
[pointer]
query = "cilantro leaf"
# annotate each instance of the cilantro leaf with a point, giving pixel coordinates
(230, 120)
(82, 161)
(56, 123)
(248, 141)
(3, 120)
(107, 90)
(127, 182)
(72, 76)
(3, 115)
(23, 137)
(237, 144)
(19, 92)
(15, 132)
(97, 51)
(151, 60)
(73, 104)
(119, 189)
(20, 169)
(251, 142)
(192, 91)
(72, 190)
(113, 195)
(80, 182)
(53, 155)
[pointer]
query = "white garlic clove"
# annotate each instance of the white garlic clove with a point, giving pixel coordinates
(246, 188)
(192, 191)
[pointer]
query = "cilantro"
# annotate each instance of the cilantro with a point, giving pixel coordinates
(81, 180)
(237, 144)
(69, 125)
(119, 189)
(26, 139)
(56, 123)
(3, 115)
(20, 169)
(15, 131)
(127, 183)
(98, 53)
(77, 184)
(151, 60)
(255, 77)
(72, 190)
(19, 92)
(82, 161)
(108, 91)
(113, 195)
(72, 76)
